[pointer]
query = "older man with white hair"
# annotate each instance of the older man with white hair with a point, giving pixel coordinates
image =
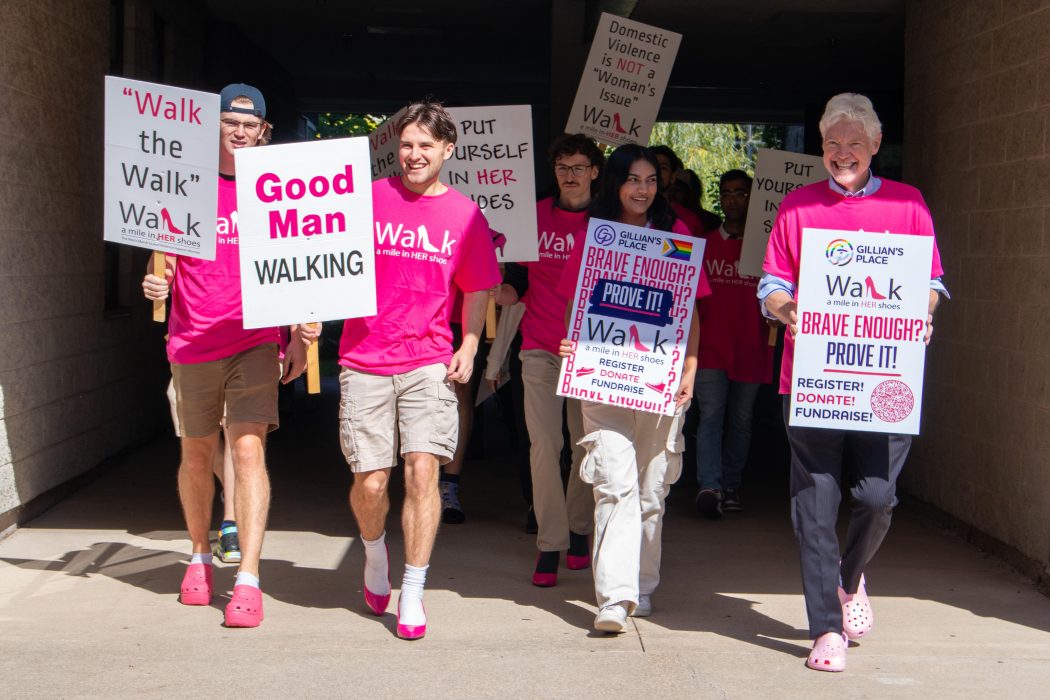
(852, 199)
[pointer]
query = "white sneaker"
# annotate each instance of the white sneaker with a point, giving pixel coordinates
(611, 618)
(644, 607)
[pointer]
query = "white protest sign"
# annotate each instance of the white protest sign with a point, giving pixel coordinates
(306, 241)
(161, 167)
(776, 174)
(492, 164)
(623, 81)
(859, 354)
(630, 316)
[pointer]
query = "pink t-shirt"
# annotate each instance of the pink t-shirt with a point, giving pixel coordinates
(893, 208)
(423, 246)
(689, 218)
(571, 274)
(733, 335)
(543, 325)
(206, 321)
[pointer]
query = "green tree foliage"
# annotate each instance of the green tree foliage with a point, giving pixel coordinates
(331, 126)
(711, 149)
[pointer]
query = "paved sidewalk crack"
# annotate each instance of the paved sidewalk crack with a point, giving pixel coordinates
(638, 633)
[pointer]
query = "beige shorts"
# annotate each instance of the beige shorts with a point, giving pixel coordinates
(243, 386)
(419, 406)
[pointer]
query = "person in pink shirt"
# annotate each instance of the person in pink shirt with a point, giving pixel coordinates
(698, 220)
(853, 199)
(632, 457)
(735, 357)
(219, 365)
(564, 515)
(399, 365)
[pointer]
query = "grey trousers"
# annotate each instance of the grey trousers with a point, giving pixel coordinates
(816, 476)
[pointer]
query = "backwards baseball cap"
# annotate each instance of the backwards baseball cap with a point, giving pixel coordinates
(235, 90)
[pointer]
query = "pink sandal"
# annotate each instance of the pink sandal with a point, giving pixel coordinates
(857, 616)
(196, 585)
(829, 653)
(245, 608)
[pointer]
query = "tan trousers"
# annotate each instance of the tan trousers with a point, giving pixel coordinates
(558, 509)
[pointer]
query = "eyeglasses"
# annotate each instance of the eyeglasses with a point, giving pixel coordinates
(577, 170)
(736, 194)
(233, 125)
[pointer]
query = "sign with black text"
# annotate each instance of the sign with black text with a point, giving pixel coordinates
(776, 174)
(623, 81)
(492, 163)
(863, 300)
(161, 167)
(631, 315)
(306, 241)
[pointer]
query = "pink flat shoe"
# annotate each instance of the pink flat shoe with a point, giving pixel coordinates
(829, 653)
(245, 608)
(410, 631)
(378, 603)
(196, 585)
(857, 616)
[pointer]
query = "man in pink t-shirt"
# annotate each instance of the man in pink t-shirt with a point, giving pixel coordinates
(853, 199)
(219, 369)
(734, 359)
(564, 514)
(399, 365)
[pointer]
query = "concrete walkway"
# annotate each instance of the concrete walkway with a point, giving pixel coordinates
(88, 603)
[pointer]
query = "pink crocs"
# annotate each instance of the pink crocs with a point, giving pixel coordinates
(196, 585)
(857, 616)
(245, 608)
(829, 653)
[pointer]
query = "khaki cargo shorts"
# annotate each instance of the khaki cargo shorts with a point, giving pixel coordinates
(242, 386)
(374, 410)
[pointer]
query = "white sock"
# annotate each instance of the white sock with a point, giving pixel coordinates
(245, 579)
(201, 558)
(377, 568)
(410, 604)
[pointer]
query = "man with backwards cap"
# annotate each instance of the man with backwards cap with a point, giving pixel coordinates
(216, 363)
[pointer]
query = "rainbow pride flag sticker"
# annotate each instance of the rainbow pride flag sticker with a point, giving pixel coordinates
(679, 250)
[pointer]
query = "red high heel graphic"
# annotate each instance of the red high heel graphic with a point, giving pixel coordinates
(616, 123)
(169, 225)
(498, 240)
(658, 388)
(871, 289)
(636, 340)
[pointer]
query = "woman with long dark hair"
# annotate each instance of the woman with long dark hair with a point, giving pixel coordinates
(633, 457)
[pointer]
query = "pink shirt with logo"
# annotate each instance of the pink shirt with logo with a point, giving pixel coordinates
(543, 325)
(734, 336)
(423, 245)
(206, 321)
(571, 274)
(894, 208)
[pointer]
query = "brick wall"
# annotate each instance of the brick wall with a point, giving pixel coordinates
(71, 381)
(977, 101)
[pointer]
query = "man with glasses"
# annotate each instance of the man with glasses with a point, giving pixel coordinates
(220, 368)
(735, 357)
(564, 516)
